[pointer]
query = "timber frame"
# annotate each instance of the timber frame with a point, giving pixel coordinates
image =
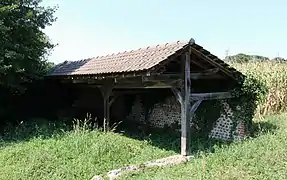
(180, 83)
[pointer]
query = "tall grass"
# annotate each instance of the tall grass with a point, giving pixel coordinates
(41, 149)
(275, 76)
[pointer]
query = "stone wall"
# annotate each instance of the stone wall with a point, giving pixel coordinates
(168, 114)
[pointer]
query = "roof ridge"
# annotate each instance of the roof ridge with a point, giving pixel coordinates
(141, 48)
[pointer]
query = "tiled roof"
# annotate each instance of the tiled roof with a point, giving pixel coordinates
(128, 61)
(137, 60)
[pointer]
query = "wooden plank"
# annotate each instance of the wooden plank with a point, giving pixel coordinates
(209, 73)
(185, 108)
(177, 94)
(194, 107)
(206, 74)
(142, 87)
(211, 96)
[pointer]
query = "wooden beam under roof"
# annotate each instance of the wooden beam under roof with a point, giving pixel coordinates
(206, 55)
(211, 96)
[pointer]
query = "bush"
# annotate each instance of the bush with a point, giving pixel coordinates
(273, 79)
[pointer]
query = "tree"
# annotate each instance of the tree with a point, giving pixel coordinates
(23, 44)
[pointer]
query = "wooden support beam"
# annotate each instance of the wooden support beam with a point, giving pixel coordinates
(206, 74)
(211, 96)
(194, 107)
(211, 61)
(177, 93)
(142, 87)
(185, 107)
(106, 91)
(210, 73)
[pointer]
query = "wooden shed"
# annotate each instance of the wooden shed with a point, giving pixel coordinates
(185, 68)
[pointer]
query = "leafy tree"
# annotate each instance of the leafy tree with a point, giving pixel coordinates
(244, 58)
(23, 44)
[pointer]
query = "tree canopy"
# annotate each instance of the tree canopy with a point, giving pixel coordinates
(244, 58)
(23, 44)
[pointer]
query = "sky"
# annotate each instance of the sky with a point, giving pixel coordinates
(89, 28)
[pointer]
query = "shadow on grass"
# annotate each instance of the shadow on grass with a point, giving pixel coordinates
(35, 128)
(169, 140)
(163, 138)
(262, 127)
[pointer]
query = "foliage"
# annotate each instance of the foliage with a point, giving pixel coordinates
(24, 45)
(273, 75)
(244, 58)
(263, 157)
(249, 94)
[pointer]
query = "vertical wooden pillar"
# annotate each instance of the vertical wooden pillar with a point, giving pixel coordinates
(106, 92)
(185, 107)
(106, 114)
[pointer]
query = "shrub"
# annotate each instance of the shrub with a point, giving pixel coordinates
(273, 79)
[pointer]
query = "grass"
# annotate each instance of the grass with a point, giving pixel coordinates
(45, 150)
(261, 157)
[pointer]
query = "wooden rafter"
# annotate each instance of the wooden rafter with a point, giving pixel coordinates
(206, 56)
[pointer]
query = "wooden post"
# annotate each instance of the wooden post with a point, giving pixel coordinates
(185, 107)
(106, 92)
(106, 113)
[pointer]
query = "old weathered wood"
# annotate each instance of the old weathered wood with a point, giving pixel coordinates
(177, 93)
(185, 108)
(106, 91)
(194, 107)
(206, 74)
(106, 114)
(143, 86)
(211, 96)
(211, 61)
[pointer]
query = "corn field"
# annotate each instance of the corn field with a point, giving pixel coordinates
(275, 76)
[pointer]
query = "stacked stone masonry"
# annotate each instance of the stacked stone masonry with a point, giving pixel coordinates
(168, 113)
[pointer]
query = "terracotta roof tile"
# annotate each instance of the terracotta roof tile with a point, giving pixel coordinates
(134, 60)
